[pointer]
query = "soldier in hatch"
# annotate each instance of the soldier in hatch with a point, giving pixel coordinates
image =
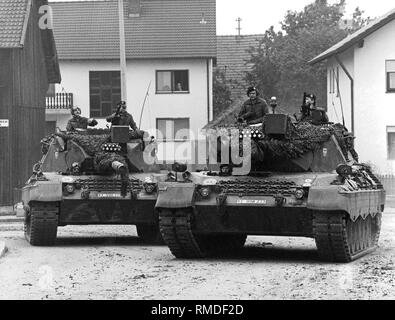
(121, 117)
(254, 109)
(78, 122)
(310, 112)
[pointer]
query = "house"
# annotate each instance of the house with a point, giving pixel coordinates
(170, 52)
(361, 86)
(232, 60)
(28, 64)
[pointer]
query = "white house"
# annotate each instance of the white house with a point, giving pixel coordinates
(361, 82)
(170, 48)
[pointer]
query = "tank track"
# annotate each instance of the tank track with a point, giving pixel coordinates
(41, 223)
(176, 229)
(339, 239)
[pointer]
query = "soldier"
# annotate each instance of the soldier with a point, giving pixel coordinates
(121, 117)
(254, 109)
(310, 112)
(78, 122)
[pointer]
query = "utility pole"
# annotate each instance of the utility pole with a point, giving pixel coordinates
(238, 20)
(122, 50)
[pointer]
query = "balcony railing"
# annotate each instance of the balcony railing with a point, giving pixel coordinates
(59, 101)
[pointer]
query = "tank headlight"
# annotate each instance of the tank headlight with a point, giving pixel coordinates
(299, 194)
(70, 188)
(204, 191)
(150, 187)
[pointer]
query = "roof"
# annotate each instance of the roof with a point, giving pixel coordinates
(164, 29)
(232, 54)
(14, 18)
(357, 36)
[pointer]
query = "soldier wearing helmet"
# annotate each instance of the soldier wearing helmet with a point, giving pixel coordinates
(310, 112)
(254, 109)
(78, 122)
(121, 117)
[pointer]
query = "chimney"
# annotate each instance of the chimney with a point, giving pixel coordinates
(134, 9)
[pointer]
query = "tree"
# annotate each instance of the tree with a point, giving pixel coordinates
(280, 62)
(221, 93)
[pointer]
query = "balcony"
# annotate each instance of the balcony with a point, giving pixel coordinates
(59, 103)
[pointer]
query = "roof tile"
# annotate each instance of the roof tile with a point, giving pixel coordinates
(12, 16)
(165, 28)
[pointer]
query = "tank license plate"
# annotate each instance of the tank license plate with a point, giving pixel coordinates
(107, 195)
(251, 201)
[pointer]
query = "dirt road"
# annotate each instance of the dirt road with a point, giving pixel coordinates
(110, 262)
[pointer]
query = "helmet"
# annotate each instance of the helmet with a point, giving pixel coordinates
(74, 110)
(252, 88)
(121, 103)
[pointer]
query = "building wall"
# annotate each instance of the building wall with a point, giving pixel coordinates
(374, 109)
(23, 103)
(339, 92)
(196, 105)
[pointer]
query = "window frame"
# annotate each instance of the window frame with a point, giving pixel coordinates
(387, 76)
(101, 88)
(389, 89)
(390, 130)
(172, 90)
(174, 133)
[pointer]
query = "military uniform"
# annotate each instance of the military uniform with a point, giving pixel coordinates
(123, 119)
(78, 122)
(253, 111)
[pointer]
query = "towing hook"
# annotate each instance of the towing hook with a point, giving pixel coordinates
(280, 201)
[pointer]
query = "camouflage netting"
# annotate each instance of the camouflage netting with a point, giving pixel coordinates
(90, 143)
(301, 138)
(103, 161)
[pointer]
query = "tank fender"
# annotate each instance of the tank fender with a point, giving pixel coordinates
(357, 204)
(42, 191)
(175, 195)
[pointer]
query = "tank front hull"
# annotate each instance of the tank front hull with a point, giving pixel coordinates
(82, 212)
(270, 221)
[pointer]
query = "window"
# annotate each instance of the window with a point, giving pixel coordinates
(172, 81)
(334, 81)
(104, 92)
(390, 71)
(172, 129)
(391, 142)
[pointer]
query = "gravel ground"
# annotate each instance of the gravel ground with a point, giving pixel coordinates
(110, 262)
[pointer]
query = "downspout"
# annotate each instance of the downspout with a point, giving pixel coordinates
(208, 89)
(352, 91)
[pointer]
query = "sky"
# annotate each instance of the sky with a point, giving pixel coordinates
(258, 15)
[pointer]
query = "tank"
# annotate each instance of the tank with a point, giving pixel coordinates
(94, 176)
(304, 181)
